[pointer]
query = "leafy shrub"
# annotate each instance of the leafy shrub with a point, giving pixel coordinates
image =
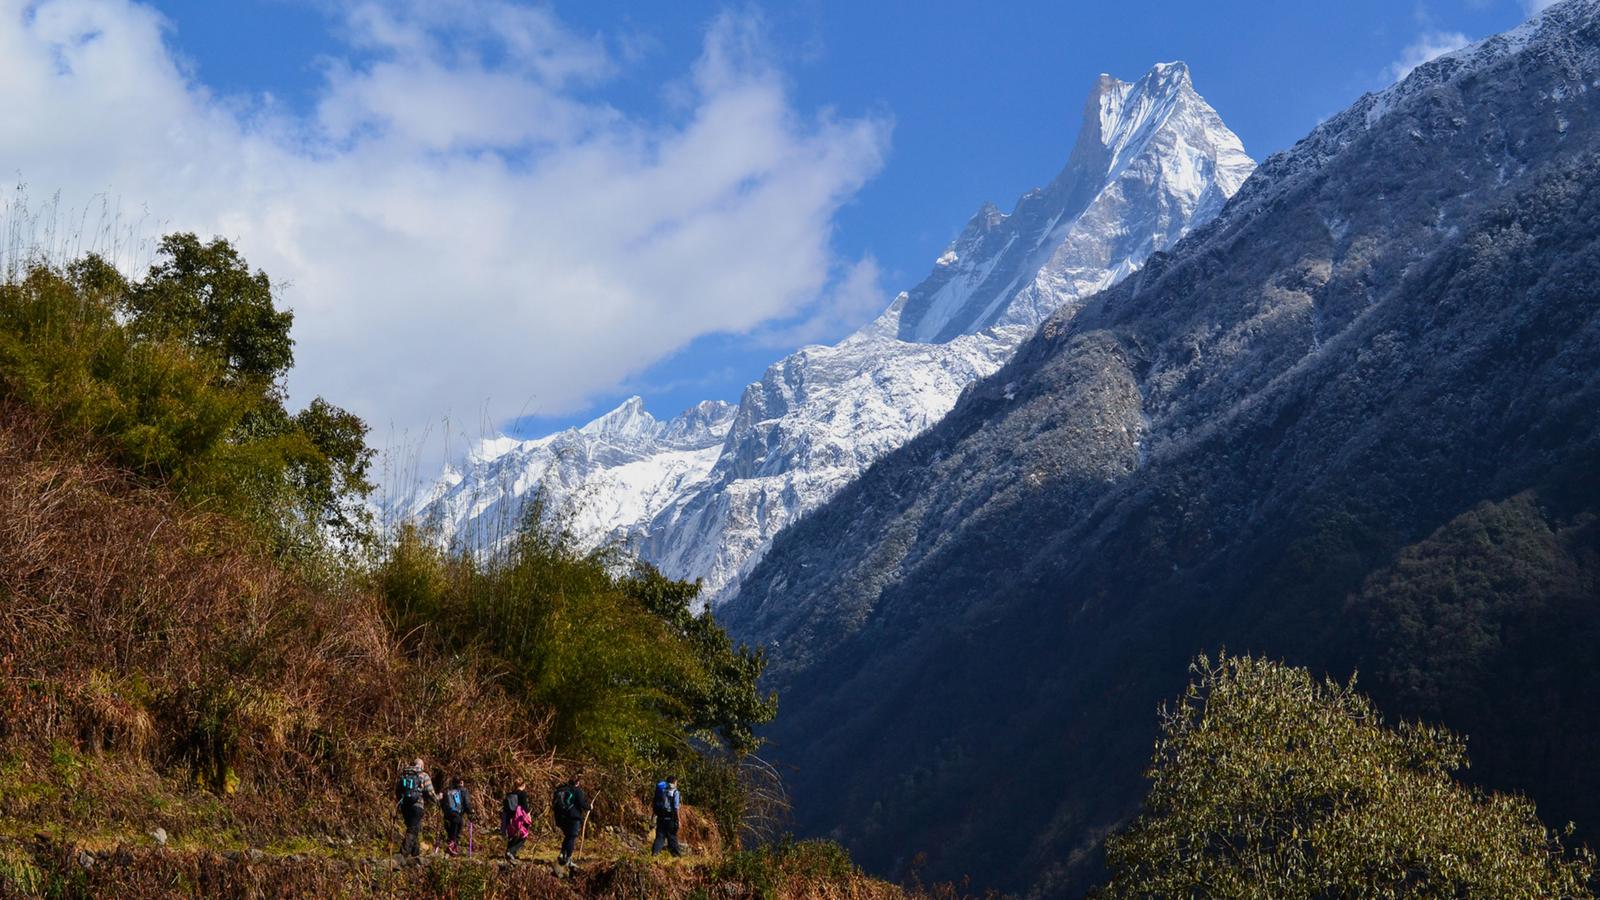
(1268, 783)
(765, 870)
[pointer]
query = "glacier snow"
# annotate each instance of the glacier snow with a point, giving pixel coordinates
(702, 495)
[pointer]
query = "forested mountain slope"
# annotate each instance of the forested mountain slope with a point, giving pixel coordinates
(1354, 422)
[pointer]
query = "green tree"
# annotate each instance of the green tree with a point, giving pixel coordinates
(1268, 783)
(205, 295)
(180, 375)
(724, 698)
(628, 671)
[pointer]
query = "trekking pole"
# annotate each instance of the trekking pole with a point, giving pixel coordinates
(583, 834)
(470, 827)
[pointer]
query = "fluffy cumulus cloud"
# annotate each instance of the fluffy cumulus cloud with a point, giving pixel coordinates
(459, 220)
(1430, 45)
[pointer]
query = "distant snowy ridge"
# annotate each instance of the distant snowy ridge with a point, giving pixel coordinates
(606, 476)
(703, 494)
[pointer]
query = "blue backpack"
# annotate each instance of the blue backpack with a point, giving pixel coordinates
(663, 801)
(455, 801)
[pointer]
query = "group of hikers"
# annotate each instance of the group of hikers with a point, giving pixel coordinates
(570, 805)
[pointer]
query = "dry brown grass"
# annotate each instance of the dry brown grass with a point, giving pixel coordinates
(159, 669)
(64, 871)
(140, 632)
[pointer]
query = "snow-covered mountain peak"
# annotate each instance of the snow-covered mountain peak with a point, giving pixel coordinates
(701, 495)
(490, 448)
(1153, 145)
(702, 423)
(628, 420)
(1551, 35)
(1125, 118)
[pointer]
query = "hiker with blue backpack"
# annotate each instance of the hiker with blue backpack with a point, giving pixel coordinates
(571, 807)
(458, 809)
(667, 805)
(413, 791)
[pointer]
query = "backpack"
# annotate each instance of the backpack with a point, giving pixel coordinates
(411, 786)
(454, 800)
(661, 805)
(520, 823)
(517, 819)
(564, 802)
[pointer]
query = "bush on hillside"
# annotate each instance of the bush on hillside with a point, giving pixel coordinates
(628, 675)
(1268, 783)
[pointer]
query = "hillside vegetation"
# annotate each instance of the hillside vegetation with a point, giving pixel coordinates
(205, 635)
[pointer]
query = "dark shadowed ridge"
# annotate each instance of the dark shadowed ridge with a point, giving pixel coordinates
(1354, 422)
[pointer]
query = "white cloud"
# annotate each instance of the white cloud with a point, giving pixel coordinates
(459, 218)
(1430, 45)
(853, 297)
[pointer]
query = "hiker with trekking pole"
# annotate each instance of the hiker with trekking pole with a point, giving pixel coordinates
(570, 806)
(458, 809)
(413, 791)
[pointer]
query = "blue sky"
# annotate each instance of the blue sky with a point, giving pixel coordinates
(901, 117)
(986, 99)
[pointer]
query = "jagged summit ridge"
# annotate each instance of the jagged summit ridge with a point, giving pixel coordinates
(1550, 34)
(1152, 161)
(1152, 149)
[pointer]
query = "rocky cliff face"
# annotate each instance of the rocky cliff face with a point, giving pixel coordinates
(1354, 421)
(1152, 161)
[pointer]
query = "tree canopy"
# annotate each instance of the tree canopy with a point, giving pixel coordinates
(179, 374)
(1269, 783)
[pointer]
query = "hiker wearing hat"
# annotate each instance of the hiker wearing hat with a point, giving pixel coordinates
(412, 794)
(666, 806)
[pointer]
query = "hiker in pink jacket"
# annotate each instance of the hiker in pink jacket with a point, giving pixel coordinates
(516, 821)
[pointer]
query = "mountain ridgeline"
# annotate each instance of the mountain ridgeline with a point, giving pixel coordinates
(1152, 161)
(1353, 422)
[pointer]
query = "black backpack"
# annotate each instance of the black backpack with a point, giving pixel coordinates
(565, 802)
(411, 786)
